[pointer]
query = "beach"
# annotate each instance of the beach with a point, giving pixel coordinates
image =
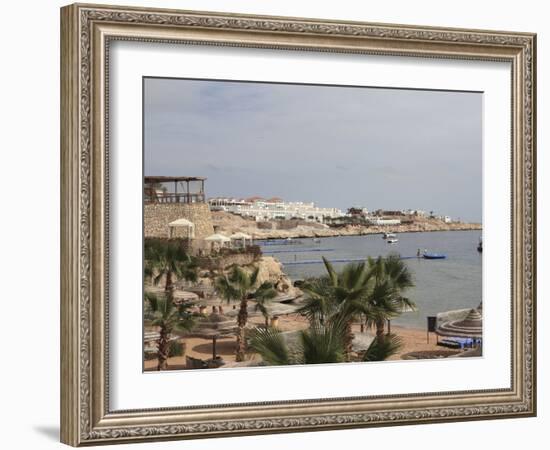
(414, 340)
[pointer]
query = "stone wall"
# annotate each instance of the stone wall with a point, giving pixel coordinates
(157, 216)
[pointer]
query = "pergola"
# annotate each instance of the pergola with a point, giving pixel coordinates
(191, 189)
(217, 238)
(183, 223)
(242, 237)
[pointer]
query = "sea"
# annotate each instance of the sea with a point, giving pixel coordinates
(439, 284)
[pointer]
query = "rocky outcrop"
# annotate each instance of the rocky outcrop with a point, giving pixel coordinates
(229, 223)
(271, 270)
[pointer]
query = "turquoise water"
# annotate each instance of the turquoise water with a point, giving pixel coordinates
(440, 285)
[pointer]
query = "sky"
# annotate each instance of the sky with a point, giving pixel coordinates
(336, 146)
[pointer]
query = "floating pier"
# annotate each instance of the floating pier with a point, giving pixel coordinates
(336, 261)
(305, 250)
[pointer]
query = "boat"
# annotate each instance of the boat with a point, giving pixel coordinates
(434, 256)
(316, 241)
(388, 236)
(392, 241)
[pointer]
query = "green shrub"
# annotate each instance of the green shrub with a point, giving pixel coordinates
(176, 349)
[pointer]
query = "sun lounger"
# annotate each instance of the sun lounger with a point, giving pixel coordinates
(457, 342)
(449, 343)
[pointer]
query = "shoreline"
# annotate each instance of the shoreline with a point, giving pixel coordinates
(327, 233)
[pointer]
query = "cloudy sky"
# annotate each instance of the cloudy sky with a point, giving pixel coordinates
(336, 146)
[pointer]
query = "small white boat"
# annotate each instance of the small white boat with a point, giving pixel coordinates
(388, 236)
(392, 241)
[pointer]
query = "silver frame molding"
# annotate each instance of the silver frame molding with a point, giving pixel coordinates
(86, 32)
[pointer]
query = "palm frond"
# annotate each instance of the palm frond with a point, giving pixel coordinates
(333, 275)
(382, 348)
(265, 292)
(322, 344)
(254, 276)
(271, 346)
(185, 324)
(226, 289)
(152, 300)
(261, 307)
(158, 277)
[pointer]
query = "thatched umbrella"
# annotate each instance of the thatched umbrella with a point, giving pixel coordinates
(213, 327)
(469, 327)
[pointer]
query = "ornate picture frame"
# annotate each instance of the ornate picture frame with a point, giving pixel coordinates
(86, 34)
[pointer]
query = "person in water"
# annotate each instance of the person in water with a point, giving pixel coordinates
(418, 253)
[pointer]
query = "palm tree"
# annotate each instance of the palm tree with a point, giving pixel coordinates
(317, 345)
(262, 296)
(168, 317)
(319, 303)
(167, 258)
(340, 296)
(391, 278)
(239, 285)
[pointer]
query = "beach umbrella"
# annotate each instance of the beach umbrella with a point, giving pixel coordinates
(469, 327)
(213, 327)
(185, 297)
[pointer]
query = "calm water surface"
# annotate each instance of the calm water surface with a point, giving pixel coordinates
(440, 285)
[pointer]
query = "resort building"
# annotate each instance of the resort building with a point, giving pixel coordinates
(414, 212)
(380, 221)
(274, 208)
(176, 207)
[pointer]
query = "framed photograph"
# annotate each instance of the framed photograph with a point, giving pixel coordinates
(276, 224)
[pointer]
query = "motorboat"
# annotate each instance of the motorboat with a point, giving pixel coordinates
(388, 236)
(434, 256)
(392, 241)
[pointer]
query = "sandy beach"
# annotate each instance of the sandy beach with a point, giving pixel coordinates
(414, 340)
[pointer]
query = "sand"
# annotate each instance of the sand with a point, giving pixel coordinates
(414, 340)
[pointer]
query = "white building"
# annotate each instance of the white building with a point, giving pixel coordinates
(414, 212)
(378, 221)
(275, 208)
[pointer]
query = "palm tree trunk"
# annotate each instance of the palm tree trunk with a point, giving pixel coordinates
(163, 347)
(348, 340)
(168, 285)
(242, 319)
(380, 329)
(266, 322)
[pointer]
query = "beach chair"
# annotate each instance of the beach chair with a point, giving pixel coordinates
(450, 343)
